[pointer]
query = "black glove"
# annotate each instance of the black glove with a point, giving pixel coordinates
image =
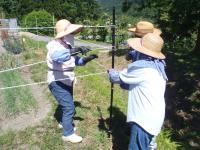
(89, 58)
(81, 49)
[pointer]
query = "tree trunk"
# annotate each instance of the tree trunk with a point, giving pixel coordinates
(197, 47)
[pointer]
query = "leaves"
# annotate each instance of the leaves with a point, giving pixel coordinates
(74, 11)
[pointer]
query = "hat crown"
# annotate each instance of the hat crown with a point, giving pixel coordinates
(152, 42)
(62, 25)
(144, 27)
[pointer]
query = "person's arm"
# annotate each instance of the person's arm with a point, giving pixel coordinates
(61, 55)
(114, 77)
(125, 78)
(132, 77)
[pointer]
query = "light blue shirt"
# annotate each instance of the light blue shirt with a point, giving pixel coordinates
(146, 104)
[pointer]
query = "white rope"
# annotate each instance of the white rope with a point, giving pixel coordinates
(23, 66)
(28, 65)
(107, 26)
(11, 69)
(45, 82)
(34, 28)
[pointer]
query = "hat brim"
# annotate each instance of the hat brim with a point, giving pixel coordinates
(135, 43)
(72, 28)
(155, 30)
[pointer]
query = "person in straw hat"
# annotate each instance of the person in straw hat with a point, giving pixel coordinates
(141, 29)
(61, 61)
(145, 79)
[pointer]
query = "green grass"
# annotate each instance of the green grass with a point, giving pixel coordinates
(15, 100)
(33, 50)
(165, 143)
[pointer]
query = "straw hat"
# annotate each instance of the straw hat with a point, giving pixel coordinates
(64, 27)
(144, 27)
(151, 45)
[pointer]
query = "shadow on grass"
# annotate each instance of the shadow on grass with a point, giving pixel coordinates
(120, 129)
(183, 98)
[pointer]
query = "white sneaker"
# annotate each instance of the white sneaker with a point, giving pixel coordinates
(72, 138)
(60, 127)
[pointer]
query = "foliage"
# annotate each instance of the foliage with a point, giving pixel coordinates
(164, 141)
(11, 42)
(74, 11)
(97, 33)
(179, 18)
(39, 18)
(182, 92)
(13, 45)
(109, 4)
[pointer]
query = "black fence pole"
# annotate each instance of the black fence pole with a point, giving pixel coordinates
(113, 64)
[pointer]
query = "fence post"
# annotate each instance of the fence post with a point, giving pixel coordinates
(53, 25)
(37, 32)
(113, 63)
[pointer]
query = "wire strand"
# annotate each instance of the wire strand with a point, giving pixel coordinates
(45, 82)
(34, 28)
(11, 69)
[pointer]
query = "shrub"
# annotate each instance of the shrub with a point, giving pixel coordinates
(13, 44)
(39, 18)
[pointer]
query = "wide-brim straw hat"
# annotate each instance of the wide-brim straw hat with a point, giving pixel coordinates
(65, 27)
(150, 44)
(144, 27)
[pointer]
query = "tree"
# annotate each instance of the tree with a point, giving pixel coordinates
(74, 11)
(179, 18)
(39, 18)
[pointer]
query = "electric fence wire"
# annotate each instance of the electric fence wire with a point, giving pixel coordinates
(36, 63)
(45, 82)
(35, 28)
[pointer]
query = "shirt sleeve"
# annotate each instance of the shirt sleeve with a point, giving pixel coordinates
(61, 55)
(133, 77)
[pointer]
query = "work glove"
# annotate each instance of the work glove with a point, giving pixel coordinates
(81, 49)
(114, 76)
(89, 58)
